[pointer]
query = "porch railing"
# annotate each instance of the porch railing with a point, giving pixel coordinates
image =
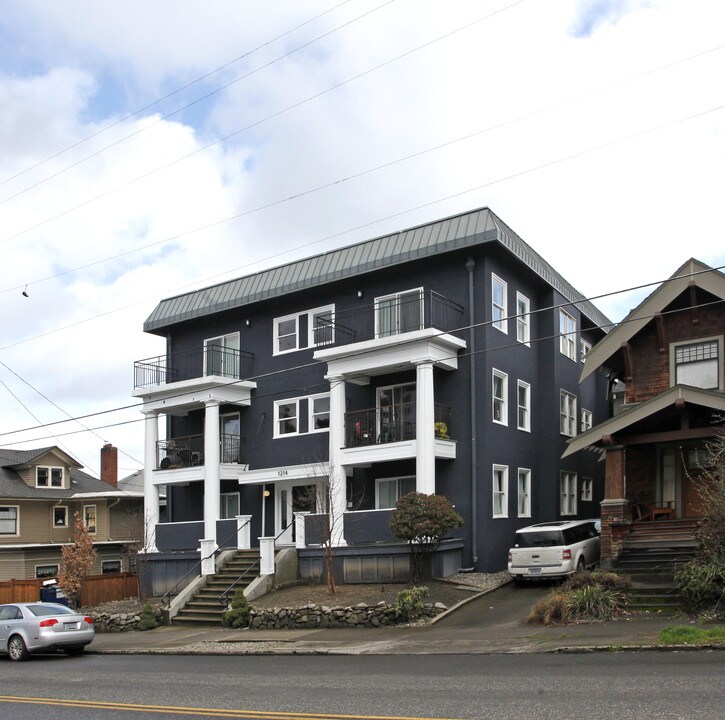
(182, 452)
(392, 423)
(388, 317)
(191, 364)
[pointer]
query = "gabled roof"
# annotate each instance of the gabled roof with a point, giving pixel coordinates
(15, 458)
(705, 398)
(693, 271)
(468, 229)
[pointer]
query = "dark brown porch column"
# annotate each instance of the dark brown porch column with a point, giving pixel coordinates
(615, 506)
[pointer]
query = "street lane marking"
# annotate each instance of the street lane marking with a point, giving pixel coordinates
(209, 712)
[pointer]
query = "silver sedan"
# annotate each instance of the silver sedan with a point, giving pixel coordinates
(42, 627)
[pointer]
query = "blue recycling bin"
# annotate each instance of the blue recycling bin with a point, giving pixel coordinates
(53, 594)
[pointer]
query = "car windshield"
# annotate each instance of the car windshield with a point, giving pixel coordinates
(541, 538)
(43, 610)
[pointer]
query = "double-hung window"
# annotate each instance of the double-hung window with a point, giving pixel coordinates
(89, 518)
(586, 420)
(286, 334)
(568, 493)
(228, 505)
(697, 364)
(60, 516)
(286, 417)
(587, 484)
(523, 405)
(500, 392)
(49, 477)
(523, 310)
(567, 335)
(221, 356)
(389, 490)
(9, 520)
(524, 495)
(500, 491)
(399, 313)
(584, 347)
(307, 329)
(321, 325)
(498, 303)
(319, 411)
(567, 414)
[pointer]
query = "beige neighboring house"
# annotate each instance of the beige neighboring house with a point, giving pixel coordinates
(40, 492)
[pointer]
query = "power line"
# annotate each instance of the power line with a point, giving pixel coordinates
(252, 125)
(169, 95)
(360, 353)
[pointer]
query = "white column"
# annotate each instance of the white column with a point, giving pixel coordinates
(266, 556)
(211, 469)
(244, 534)
(208, 560)
(338, 478)
(300, 539)
(425, 469)
(150, 491)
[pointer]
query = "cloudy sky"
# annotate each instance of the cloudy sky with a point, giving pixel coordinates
(152, 147)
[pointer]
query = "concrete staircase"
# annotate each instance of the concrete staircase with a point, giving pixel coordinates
(651, 551)
(206, 607)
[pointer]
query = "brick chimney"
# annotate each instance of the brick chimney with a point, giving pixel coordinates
(109, 464)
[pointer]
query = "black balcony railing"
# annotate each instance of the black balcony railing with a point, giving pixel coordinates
(182, 452)
(392, 423)
(388, 317)
(188, 364)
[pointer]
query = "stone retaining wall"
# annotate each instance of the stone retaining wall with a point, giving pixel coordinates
(120, 622)
(322, 616)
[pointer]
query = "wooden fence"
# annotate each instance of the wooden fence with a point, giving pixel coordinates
(97, 589)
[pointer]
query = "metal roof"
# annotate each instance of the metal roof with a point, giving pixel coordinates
(468, 229)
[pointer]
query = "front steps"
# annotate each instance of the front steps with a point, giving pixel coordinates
(651, 552)
(205, 607)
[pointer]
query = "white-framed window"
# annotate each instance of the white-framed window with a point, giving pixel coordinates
(586, 420)
(500, 491)
(524, 492)
(697, 363)
(389, 490)
(60, 516)
(587, 488)
(523, 405)
(498, 303)
(584, 347)
(286, 334)
(318, 407)
(499, 393)
(523, 310)
(228, 505)
(568, 493)
(230, 425)
(399, 313)
(567, 334)
(89, 519)
(111, 566)
(567, 413)
(321, 326)
(396, 412)
(221, 356)
(286, 417)
(10, 520)
(49, 477)
(46, 571)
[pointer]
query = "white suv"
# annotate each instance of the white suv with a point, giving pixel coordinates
(554, 550)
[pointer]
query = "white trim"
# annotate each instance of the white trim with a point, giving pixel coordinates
(50, 469)
(310, 325)
(504, 492)
(224, 346)
(570, 496)
(523, 319)
(526, 427)
(568, 413)
(223, 515)
(503, 400)
(527, 510)
(56, 565)
(112, 560)
(567, 335)
(397, 479)
(587, 489)
(311, 413)
(275, 334)
(502, 323)
(587, 419)
(95, 512)
(52, 514)
(398, 296)
(277, 419)
(584, 349)
(720, 363)
(17, 522)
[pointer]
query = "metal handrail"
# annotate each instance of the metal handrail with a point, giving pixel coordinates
(224, 597)
(171, 592)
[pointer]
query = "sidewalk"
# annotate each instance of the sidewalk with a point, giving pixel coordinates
(463, 629)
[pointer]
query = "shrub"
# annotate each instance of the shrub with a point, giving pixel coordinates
(409, 603)
(608, 580)
(552, 609)
(238, 615)
(147, 618)
(701, 585)
(595, 602)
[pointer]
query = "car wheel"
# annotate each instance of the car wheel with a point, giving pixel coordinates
(17, 649)
(580, 566)
(75, 650)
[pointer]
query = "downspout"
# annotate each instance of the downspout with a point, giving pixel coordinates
(108, 508)
(470, 266)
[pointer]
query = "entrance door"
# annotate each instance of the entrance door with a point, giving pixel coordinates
(396, 413)
(292, 498)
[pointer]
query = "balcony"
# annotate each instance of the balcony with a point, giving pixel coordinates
(211, 360)
(185, 452)
(392, 423)
(387, 317)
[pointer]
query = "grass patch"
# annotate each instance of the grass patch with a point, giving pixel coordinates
(689, 635)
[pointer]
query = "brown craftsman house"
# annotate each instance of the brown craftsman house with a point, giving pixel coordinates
(668, 352)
